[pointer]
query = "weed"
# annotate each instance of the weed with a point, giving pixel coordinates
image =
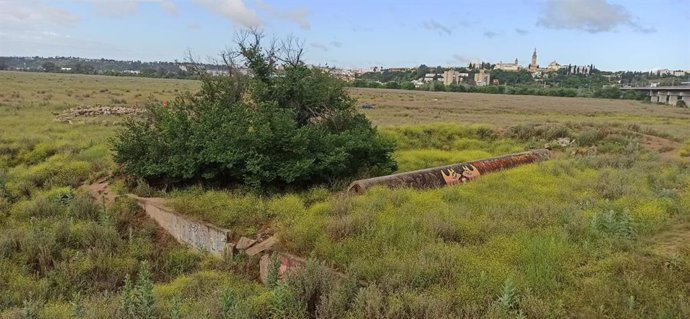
(620, 225)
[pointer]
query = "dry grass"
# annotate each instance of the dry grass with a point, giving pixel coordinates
(399, 107)
(59, 91)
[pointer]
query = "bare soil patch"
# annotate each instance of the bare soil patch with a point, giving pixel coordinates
(673, 241)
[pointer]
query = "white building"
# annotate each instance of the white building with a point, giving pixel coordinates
(482, 78)
(511, 67)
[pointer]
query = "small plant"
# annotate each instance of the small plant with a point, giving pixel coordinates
(620, 225)
(30, 309)
(176, 308)
(138, 301)
(83, 207)
(77, 303)
(273, 273)
(508, 298)
(233, 305)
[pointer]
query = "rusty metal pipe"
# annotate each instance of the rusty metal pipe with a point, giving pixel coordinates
(451, 174)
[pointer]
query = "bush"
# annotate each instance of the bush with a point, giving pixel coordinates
(539, 132)
(608, 93)
(293, 127)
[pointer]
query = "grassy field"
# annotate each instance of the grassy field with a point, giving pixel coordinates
(400, 107)
(600, 231)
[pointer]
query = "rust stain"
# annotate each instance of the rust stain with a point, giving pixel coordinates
(452, 174)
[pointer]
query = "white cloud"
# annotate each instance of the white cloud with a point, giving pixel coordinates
(588, 15)
(336, 44)
(433, 25)
(30, 14)
(239, 13)
(51, 43)
(297, 16)
(235, 10)
(124, 8)
(521, 31)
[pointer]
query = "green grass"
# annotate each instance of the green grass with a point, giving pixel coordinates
(597, 231)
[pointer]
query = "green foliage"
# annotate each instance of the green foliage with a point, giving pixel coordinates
(408, 86)
(610, 92)
(273, 273)
(294, 128)
(508, 299)
(587, 234)
(620, 225)
(539, 132)
(138, 301)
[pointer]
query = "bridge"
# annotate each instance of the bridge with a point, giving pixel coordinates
(670, 95)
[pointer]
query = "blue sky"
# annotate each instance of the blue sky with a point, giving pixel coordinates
(611, 34)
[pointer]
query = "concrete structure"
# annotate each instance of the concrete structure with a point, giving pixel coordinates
(452, 76)
(209, 238)
(553, 66)
(511, 67)
(578, 69)
(199, 235)
(482, 78)
(663, 72)
(670, 95)
(430, 77)
(534, 66)
(452, 174)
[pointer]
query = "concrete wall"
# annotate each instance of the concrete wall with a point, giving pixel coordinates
(670, 97)
(199, 235)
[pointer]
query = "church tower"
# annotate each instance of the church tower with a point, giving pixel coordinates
(533, 66)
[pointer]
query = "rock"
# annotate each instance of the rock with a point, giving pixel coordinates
(264, 265)
(286, 264)
(98, 111)
(244, 243)
(564, 141)
(265, 245)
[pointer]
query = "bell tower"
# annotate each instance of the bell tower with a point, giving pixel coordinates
(533, 66)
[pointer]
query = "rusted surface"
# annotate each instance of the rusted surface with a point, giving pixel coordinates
(452, 174)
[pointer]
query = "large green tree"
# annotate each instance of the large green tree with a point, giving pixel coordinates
(272, 122)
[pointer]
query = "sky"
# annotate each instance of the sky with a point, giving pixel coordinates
(613, 35)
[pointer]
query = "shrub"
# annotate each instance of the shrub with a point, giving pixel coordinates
(138, 300)
(83, 207)
(620, 225)
(591, 137)
(270, 129)
(539, 132)
(608, 93)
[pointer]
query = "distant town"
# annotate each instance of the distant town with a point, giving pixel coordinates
(558, 79)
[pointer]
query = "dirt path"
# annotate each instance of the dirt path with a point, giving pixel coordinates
(101, 192)
(666, 148)
(672, 241)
